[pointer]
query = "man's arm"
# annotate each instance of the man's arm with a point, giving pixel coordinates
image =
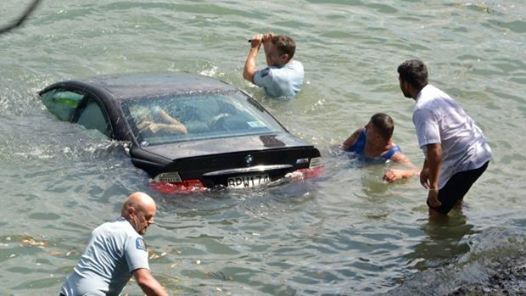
(432, 165)
(409, 171)
(431, 172)
(351, 139)
(267, 43)
(250, 64)
(148, 283)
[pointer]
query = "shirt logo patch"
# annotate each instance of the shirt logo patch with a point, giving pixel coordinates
(139, 244)
(264, 72)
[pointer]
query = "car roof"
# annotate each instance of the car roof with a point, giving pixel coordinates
(135, 85)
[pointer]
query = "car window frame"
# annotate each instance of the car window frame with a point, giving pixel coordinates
(88, 97)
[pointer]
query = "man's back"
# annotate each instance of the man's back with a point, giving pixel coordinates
(439, 119)
(281, 82)
(114, 251)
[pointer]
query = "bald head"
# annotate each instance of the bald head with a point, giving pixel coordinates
(137, 200)
(139, 209)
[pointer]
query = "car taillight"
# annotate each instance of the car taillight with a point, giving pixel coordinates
(185, 186)
(315, 169)
(315, 162)
(310, 172)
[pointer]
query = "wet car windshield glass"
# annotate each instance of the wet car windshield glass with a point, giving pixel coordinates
(186, 117)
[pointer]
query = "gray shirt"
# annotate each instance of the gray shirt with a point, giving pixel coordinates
(115, 250)
(281, 82)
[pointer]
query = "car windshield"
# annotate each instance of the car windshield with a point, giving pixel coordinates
(194, 116)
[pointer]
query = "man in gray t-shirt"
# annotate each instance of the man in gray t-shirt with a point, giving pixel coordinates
(283, 76)
(115, 252)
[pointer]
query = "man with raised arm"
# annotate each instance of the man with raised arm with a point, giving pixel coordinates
(283, 76)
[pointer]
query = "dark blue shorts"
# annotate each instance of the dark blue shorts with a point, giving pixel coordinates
(457, 186)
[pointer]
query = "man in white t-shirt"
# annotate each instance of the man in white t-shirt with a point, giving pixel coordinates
(456, 151)
(283, 76)
(115, 252)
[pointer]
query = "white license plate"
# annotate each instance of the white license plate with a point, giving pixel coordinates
(248, 181)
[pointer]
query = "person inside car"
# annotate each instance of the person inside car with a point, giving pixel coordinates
(155, 119)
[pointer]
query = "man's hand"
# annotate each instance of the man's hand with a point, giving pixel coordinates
(256, 40)
(267, 37)
(149, 285)
(424, 178)
(432, 198)
(392, 175)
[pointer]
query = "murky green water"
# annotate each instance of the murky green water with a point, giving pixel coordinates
(344, 234)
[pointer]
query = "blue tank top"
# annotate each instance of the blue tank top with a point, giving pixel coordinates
(359, 146)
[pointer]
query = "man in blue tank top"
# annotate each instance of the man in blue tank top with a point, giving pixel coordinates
(283, 76)
(373, 144)
(115, 252)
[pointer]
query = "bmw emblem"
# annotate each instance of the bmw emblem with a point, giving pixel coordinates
(249, 159)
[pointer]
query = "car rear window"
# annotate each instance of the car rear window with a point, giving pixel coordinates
(167, 119)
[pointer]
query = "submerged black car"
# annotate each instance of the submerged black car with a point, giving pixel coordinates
(188, 130)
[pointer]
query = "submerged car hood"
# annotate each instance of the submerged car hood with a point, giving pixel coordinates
(225, 145)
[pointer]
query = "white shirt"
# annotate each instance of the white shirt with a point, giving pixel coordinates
(281, 82)
(439, 119)
(115, 250)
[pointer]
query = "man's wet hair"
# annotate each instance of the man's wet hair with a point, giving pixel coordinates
(413, 72)
(384, 124)
(284, 45)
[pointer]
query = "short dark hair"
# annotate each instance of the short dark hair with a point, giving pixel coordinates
(384, 124)
(413, 72)
(284, 45)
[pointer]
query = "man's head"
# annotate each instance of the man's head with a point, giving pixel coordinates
(139, 209)
(412, 77)
(382, 125)
(281, 51)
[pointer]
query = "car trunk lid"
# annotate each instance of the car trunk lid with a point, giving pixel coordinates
(223, 162)
(185, 149)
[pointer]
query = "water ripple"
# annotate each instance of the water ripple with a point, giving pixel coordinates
(344, 233)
